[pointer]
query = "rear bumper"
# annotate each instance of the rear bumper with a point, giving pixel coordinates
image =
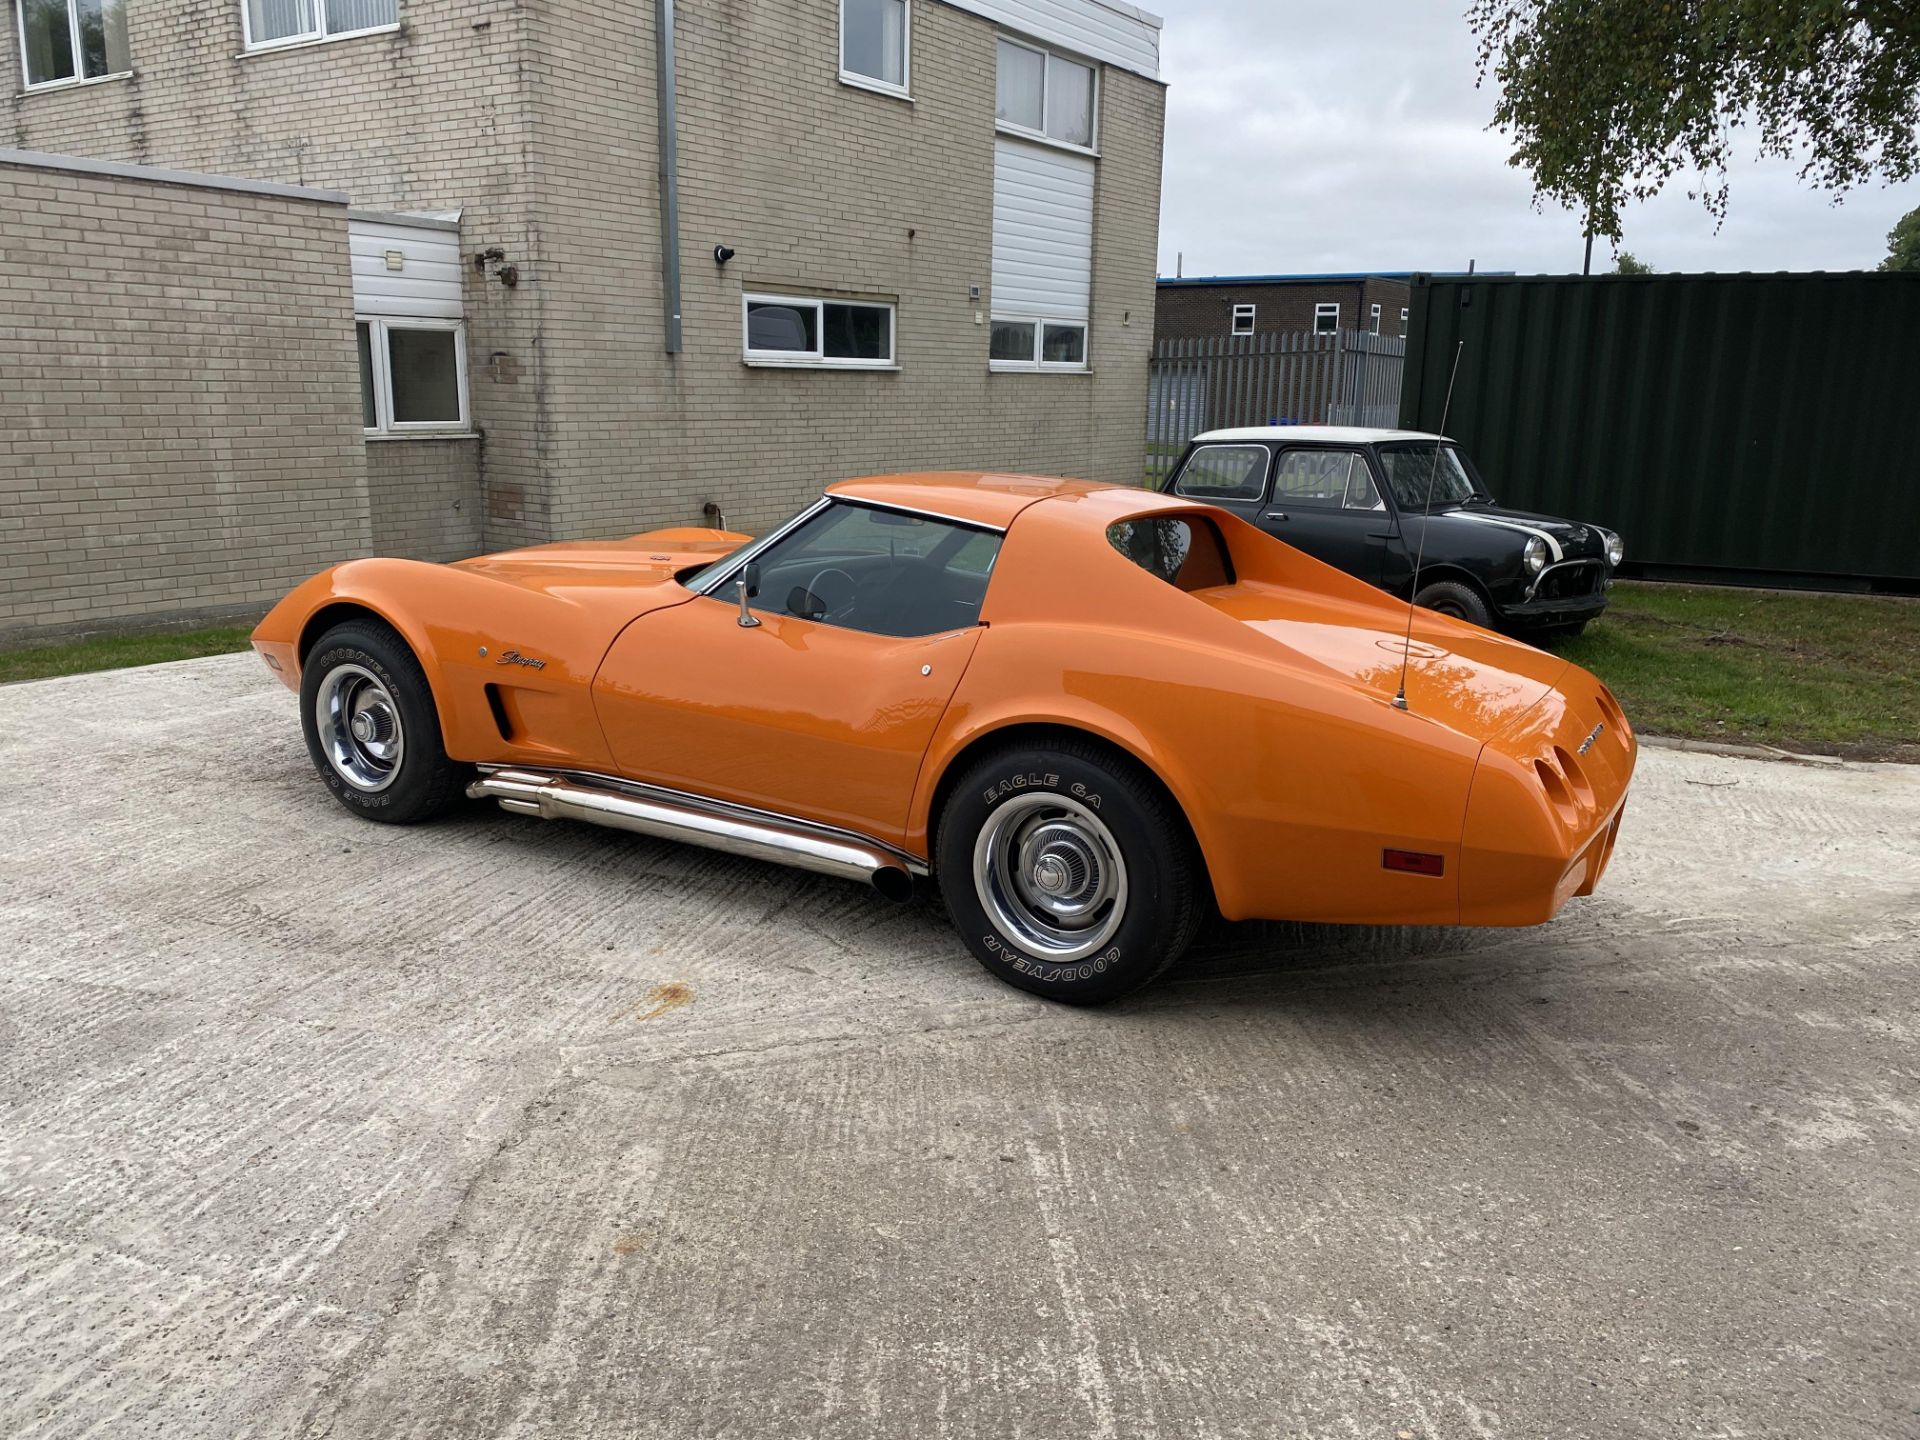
(1545, 811)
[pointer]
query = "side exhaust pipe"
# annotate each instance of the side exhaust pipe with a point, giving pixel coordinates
(670, 815)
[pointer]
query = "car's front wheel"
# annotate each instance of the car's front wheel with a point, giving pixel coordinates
(1067, 871)
(372, 728)
(1463, 602)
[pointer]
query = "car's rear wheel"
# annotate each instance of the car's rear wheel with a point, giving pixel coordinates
(1462, 601)
(372, 728)
(1067, 871)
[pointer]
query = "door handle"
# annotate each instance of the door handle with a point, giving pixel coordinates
(1276, 514)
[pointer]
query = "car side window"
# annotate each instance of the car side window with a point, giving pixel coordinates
(1225, 472)
(1362, 493)
(1313, 478)
(884, 572)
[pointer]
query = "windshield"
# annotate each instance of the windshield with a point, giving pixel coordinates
(1414, 469)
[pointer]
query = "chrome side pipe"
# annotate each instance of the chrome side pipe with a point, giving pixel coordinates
(694, 820)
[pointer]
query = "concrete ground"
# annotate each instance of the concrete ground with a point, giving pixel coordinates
(496, 1127)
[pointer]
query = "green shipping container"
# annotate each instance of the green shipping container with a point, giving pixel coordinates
(1764, 426)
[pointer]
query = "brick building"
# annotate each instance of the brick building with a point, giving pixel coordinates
(909, 233)
(1205, 308)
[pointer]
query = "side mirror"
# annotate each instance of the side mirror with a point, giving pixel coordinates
(746, 587)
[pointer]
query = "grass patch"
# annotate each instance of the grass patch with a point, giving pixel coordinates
(115, 652)
(1832, 674)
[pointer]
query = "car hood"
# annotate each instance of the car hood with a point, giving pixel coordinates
(584, 570)
(1471, 680)
(1573, 539)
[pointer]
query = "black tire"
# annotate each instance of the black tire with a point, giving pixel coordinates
(1090, 802)
(420, 781)
(1462, 601)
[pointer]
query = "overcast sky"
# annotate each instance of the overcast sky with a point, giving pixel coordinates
(1312, 136)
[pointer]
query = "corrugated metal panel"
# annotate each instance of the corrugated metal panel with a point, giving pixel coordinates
(429, 280)
(1755, 423)
(1118, 34)
(1042, 231)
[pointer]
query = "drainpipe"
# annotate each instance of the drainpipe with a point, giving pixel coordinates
(669, 173)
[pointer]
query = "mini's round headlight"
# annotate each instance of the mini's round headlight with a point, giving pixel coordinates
(1536, 555)
(1616, 552)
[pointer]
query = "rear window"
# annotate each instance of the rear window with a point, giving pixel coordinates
(1187, 553)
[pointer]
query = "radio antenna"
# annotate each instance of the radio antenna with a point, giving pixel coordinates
(1426, 519)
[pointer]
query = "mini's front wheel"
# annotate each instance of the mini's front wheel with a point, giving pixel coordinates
(1067, 871)
(1462, 602)
(372, 728)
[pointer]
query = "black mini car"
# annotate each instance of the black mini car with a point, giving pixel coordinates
(1359, 500)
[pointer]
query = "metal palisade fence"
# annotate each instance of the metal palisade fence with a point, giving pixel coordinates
(1346, 378)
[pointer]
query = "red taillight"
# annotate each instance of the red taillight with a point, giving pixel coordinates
(1413, 862)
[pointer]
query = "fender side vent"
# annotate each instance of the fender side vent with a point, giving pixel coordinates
(499, 708)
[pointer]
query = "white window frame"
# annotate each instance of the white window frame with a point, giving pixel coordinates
(317, 36)
(385, 427)
(1373, 321)
(1323, 309)
(79, 76)
(1403, 319)
(1243, 312)
(1036, 365)
(817, 358)
(902, 91)
(1040, 136)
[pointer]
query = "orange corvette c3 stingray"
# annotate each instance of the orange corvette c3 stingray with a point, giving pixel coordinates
(1086, 713)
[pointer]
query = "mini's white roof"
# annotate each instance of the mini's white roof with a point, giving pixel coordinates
(1320, 434)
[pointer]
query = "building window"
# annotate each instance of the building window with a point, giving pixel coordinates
(1373, 321)
(1045, 95)
(1326, 317)
(1243, 319)
(1403, 319)
(285, 22)
(63, 42)
(1021, 343)
(413, 376)
(874, 43)
(806, 330)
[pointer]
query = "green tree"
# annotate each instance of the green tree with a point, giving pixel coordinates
(1609, 100)
(1903, 243)
(1627, 263)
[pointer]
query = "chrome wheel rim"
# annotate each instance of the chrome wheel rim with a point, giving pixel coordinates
(1050, 876)
(359, 727)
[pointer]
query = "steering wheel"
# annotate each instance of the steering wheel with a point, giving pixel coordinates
(835, 612)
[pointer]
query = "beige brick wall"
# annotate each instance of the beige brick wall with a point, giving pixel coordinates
(179, 403)
(425, 498)
(817, 186)
(434, 117)
(537, 121)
